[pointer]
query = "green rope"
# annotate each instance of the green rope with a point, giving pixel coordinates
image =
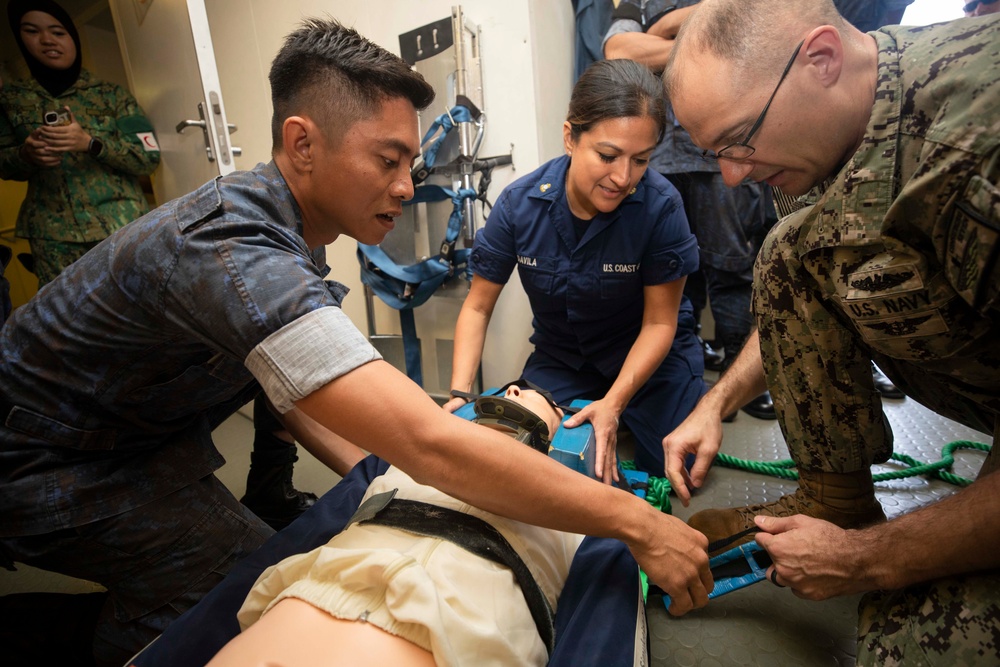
(939, 469)
(657, 491)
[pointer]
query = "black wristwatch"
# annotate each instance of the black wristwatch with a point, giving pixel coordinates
(95, 147)
(456, 393)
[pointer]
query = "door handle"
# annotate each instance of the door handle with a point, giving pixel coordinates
(184, 124)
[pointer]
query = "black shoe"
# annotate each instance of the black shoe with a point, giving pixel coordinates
(884, 385)
(761, 407)
(713, 358)
(271, 496)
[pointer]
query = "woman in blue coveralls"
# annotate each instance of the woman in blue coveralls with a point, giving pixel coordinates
(602, 247)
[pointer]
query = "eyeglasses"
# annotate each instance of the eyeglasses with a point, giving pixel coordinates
(741, 150)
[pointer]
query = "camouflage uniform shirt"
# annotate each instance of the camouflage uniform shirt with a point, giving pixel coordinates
(86, 197)
(899, 256)
(114, 376)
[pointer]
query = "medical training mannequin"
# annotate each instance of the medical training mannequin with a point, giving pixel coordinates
(602, 247)
(376, 595)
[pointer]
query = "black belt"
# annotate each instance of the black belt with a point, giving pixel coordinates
(469, 532)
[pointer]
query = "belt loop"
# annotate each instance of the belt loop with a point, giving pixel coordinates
(368, 509)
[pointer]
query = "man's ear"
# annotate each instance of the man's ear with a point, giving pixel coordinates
(298, 142)
(824, 47)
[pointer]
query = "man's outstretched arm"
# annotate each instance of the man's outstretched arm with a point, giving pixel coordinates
(380, 409)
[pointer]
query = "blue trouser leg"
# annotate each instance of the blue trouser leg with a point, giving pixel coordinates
(730, 225)
(601, 618)
(157, 560)
(730, 301)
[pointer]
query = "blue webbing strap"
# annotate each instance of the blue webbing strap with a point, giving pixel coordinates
(445, 122)
(411, 350)
(737, 568)
(395, 284)
(406, 287)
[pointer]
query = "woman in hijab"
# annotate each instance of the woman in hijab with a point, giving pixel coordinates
(80, 143)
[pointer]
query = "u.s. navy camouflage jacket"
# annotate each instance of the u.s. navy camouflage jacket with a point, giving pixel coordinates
(903, 245)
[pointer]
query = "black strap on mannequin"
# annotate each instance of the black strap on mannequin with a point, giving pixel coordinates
(469, 532)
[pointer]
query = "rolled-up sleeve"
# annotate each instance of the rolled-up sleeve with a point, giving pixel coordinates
(307, 354)
(620, 26)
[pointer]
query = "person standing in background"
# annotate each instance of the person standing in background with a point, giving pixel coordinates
(593, 17)
(80, 143)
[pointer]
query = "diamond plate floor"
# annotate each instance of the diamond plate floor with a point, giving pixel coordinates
(768, 626)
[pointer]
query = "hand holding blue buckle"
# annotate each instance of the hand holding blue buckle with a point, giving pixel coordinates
(737, 568)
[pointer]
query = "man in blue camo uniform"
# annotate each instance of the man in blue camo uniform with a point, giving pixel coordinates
(896, 262)
(84, 173)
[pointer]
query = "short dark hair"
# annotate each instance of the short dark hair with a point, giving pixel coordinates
(753, 36)
(337, 76)
(616, 88)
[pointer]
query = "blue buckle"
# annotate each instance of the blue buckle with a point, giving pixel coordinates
(749, 555)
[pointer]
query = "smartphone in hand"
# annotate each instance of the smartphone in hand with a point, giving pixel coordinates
(57, 117)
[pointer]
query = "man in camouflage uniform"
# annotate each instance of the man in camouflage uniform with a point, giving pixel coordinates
(83, 176)
(730, 223)
(897, 263)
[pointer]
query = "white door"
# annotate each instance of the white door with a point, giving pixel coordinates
(167, 49)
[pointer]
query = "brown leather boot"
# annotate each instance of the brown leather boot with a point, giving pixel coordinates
(844, 499)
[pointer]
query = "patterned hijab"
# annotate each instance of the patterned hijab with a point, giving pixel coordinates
(56, 81)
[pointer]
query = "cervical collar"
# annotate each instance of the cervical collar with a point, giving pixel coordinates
(529, 428)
